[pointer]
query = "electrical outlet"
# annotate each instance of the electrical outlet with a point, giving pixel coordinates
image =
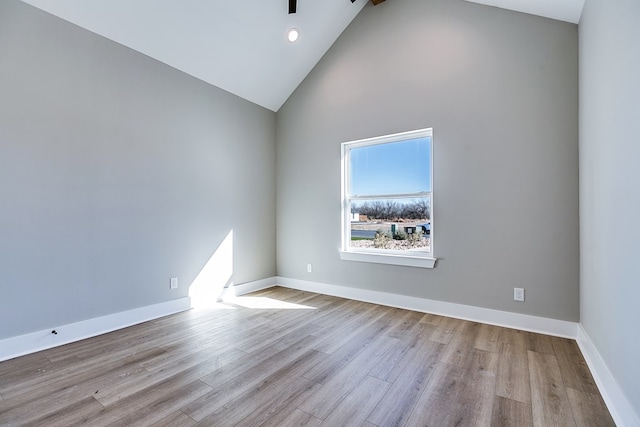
(309, 268)
(174, 283)
(518, 294)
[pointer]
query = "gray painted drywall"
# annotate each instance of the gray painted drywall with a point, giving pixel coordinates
(500, 90)
(609, 190)
(116, 173)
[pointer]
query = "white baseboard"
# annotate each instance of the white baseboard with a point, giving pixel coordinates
(621, 411)
(42, 340)
(560, 328)
(234, 290)
(619, 407)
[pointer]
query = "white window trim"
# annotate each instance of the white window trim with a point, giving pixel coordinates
(392, 259)
(404, 258)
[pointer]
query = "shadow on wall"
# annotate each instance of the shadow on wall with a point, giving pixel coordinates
(207, 288)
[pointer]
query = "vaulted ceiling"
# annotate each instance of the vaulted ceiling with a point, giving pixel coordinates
(241, 46)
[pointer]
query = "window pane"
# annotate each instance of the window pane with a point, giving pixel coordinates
(392, 224)
(392, 168)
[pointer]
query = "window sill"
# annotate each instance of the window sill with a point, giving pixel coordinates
(408, 261)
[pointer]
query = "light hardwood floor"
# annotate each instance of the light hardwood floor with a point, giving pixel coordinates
(315, 360)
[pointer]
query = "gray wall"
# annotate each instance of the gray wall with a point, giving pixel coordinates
(609, 186)
(500, 90)
(116, 173)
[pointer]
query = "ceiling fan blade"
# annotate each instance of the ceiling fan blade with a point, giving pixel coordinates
(293, 4)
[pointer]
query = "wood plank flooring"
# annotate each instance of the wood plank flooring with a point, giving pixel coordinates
(282, 357)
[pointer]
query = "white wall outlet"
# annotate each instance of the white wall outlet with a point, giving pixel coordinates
(309, 268)
(518, 294)
(174, 283)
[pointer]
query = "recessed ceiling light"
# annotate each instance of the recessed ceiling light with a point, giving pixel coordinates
(293, 34)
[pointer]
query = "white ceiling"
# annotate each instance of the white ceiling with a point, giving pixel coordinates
(561, 10)
(237, 45)
(240, 45)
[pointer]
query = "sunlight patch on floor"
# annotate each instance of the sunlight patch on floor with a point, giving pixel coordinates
(265, 303)
(215, 305)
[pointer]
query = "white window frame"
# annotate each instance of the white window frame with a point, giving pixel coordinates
(382, 256)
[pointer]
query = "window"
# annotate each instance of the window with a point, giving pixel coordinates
(387, 202)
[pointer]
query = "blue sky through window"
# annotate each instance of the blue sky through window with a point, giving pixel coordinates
(391, 168)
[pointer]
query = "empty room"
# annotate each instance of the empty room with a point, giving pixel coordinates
(323, 213)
